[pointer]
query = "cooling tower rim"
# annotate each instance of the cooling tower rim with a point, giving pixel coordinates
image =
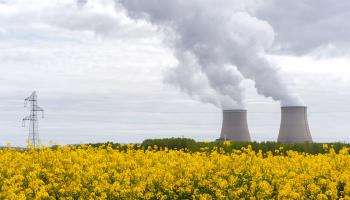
(293, 107)
(235, 110)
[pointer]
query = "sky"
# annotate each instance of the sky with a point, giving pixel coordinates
(100, 73)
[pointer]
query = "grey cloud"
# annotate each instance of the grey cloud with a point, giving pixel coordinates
(37, 20)
(312, 26)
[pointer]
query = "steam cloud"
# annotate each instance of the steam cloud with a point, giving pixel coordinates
(218, 44)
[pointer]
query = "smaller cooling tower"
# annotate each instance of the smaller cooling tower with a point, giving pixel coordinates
(294, 125)
(235, 126)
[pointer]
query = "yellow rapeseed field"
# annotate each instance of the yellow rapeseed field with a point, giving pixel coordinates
(104, 173)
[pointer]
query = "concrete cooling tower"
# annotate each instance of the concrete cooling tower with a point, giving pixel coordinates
(294, 125)
(234, 126)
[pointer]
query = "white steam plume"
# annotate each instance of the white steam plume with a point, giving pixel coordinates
(224, 43)
(189, 76)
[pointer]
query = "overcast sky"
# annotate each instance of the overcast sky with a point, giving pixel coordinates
(99, 75)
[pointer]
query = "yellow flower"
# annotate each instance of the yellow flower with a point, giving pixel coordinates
(133, 173)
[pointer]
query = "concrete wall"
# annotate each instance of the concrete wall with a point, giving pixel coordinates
(235, 126)
(294, 125)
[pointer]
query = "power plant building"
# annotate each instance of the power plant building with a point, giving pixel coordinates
(294, 125)
(234, 126)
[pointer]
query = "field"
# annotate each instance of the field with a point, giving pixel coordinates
(139, 172)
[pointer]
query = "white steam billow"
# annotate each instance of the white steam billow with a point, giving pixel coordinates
(218, 87)
(218, 44)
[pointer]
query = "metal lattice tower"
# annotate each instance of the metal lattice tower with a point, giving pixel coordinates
(33, 137)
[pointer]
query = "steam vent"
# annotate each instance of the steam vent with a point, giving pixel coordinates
(294, 125)
(235, 126)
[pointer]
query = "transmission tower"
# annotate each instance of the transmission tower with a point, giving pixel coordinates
(33, 137)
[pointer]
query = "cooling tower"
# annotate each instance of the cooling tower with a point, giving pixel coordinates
(235, 126)
(294, 125)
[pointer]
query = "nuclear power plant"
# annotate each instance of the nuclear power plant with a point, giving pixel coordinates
(294, 126)
(234, 126)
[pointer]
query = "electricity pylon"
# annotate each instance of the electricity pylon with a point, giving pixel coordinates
(33, 137)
